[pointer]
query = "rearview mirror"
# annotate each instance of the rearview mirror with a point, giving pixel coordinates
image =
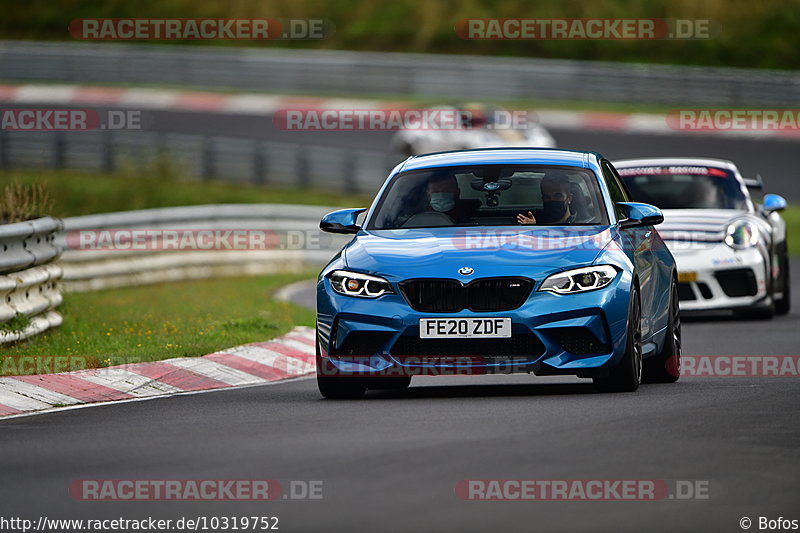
(341, 221)
(637, 214)
(774, 202)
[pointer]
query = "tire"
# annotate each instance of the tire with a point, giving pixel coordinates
(388, 383)
(335, 388)
(784, 304)
(757, 313)
(627, 374)
(665, 367)
(341, 388)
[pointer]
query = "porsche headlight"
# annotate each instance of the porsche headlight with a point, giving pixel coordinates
(360, 285)
(580, 279)
(741, 234)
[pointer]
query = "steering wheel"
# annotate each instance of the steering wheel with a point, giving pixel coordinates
(429, 218)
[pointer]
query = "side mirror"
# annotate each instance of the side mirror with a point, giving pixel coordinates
(774, 202)
(341, 221)
(637, 214)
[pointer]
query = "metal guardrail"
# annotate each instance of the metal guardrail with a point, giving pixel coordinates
(29, 243)
(296, 244)
(202, 157)
(371, 73)
(29, 281)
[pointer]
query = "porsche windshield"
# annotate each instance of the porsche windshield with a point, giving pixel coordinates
(491, 195)
(687, 187)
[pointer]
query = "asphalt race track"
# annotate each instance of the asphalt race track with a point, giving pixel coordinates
(774, 159)
(391, 462)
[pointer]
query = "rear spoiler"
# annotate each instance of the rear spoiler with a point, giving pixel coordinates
(754, 185)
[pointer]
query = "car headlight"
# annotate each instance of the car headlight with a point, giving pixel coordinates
(741, 234)
(580, 279)
(360, 285)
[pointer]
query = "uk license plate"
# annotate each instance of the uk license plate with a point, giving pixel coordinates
(464, 328)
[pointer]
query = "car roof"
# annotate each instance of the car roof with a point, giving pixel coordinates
(675, 161)
(489, 156)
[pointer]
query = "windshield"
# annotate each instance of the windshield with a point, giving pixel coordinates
(687, 187)
(491, 195)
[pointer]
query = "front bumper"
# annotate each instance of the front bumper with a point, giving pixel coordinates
(580, 334)
(716, 277)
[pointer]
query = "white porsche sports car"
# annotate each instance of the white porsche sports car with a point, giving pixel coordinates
(478, 126)
(731, 253)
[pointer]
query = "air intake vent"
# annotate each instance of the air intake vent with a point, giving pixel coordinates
(737, 282)
(438, 295)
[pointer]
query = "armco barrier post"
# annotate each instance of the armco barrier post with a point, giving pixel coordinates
(28, 279)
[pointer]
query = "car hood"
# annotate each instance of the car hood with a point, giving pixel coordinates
(489, 251)
(706, 225)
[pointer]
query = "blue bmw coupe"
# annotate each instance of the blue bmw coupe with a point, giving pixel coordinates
(498, 261)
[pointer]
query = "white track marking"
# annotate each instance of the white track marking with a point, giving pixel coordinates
(214, 370)
(251, 104)
(256, 354)
(296, 345)
(45, 94)
(33, 399)
(21, 403)
(127, 381)
(265, 356)
(36, 392)
(151, 98)
(49, 409)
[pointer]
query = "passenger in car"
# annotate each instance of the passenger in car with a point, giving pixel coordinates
(557, 199)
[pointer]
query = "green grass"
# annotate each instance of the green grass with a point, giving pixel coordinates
(17, 324)
(80, 193)
(150, 323)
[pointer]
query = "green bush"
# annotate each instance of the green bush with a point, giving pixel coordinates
(753, 33)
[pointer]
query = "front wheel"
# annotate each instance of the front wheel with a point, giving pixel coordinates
(627, 375)
(665, 367)
(340, 388)
(335, 388)
(387, 383)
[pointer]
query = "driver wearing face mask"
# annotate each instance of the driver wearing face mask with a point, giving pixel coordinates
(556, 200)
(444, 196)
